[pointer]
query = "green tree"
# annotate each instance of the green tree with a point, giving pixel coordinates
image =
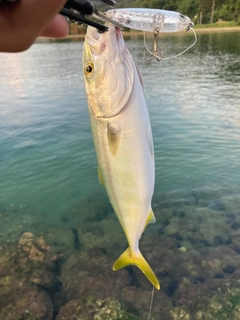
(229, 10)
(188, 7)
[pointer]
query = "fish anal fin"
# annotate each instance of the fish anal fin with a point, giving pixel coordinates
(151, 218)
(114, 138)
(128, 258)
(100, 177)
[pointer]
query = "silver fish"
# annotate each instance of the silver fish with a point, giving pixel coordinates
(122, 137)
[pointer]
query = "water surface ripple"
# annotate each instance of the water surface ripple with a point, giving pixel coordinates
(47, 160)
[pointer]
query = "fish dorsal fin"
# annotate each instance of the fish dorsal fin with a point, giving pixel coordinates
(100, 177)
(114, 139)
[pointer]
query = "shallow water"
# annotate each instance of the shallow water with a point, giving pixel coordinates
(49, 184)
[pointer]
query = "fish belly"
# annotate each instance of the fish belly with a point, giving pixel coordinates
(126, 164)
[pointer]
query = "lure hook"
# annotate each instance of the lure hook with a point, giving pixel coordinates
(153, 54)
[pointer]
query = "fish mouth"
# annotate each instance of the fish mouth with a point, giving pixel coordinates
(93, 34)
(110, 41)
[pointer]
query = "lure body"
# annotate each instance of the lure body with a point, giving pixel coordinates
(151, 19)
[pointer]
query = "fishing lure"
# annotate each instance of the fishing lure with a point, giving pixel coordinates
(151, 20)
(155, 21)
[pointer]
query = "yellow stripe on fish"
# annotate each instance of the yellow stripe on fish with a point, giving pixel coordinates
(122, 137)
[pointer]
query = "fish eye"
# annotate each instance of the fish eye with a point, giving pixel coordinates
(89, 68)
(182, 16)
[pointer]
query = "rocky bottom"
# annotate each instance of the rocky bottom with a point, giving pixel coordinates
(60, 272)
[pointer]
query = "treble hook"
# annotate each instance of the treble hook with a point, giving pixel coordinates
(155, 53)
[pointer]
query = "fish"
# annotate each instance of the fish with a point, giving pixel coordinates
(122, 137)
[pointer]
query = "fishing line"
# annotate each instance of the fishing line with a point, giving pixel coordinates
(153, 291)
(151, 303)
(154, 54)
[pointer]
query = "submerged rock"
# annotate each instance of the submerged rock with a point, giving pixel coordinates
(229, 269)
(30, 304)
(92, 208)
(90, 309)
(83, 276)
(193, 249)
(27, 278)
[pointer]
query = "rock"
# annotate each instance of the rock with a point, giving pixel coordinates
(90, 309)
(174, 199)
(236, 244)
(138, 301)
(31, 304)
(29, 262)
(7, 255)
(171, 288)
(219, 276)
(35, 248)
(61, 240)
(109, 309)
(235, 225)
(94, 207)
(9, 289)
(193, 249)
(229, 269)
(106, 235)
(217, 205)
(84, 276)
(180, 313)
(198, 280)
(72, 309)
(231, 202)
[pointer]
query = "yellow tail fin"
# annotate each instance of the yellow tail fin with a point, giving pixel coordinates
(127, 258)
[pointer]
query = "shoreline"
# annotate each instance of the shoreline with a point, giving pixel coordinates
(139, 33)
(197, 29)
(217, 29)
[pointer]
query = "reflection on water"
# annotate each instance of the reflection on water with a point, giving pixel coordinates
(59, 236)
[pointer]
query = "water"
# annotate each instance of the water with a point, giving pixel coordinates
(48, 171)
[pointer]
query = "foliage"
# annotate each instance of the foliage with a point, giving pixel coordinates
(226, 10)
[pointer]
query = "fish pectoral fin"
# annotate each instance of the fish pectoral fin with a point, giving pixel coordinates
(114, 138)
(127, 258)
(151, 218)
(100, 177)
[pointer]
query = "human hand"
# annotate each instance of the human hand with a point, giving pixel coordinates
(21, 22)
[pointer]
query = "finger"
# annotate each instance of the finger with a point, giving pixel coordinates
(58, 28)
(24, 21)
